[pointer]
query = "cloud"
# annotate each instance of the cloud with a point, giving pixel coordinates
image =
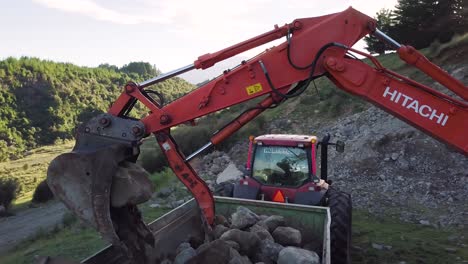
(205, 25)
(371, 7)
(92, 9)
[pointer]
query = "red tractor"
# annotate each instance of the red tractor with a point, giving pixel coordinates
(283, 168)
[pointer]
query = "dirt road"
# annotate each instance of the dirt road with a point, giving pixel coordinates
(27, 223)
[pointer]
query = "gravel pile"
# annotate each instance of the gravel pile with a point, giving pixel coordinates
(247, 238)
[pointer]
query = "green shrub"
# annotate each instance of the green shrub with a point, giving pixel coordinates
(42, 193)
(8, 191)
(68, 219)
(151, 157)
(163, 178)
(188, 139)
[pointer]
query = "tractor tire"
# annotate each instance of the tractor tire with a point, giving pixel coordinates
(340, 228)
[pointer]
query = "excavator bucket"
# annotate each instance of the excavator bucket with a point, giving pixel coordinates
(99, 182)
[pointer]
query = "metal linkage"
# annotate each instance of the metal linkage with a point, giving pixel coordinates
(198, 151)
(386, 38)
(166, 76)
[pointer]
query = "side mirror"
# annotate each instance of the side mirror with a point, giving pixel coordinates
(245, 171)
(340, 146)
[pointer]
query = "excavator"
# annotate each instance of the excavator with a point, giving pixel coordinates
(102, 185)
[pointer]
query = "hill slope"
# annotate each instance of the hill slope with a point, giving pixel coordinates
(42, 101)
(390, 167)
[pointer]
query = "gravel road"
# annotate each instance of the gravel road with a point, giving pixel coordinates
(27, 223)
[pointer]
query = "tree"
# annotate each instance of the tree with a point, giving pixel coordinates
(413, 19)
(108, 66)
(8, 192)
(461, 16)
(140, 68)
(385, 22)
(420, 22)
(445, 20)
(42, 193)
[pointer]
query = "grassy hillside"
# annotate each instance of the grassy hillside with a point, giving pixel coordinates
(31, 170)
(42, 101)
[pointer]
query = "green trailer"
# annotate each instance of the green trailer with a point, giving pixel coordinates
(184, 223)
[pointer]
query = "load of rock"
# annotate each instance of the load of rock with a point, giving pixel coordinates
(247, 238)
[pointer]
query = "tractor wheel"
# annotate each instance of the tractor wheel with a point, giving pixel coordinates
(340, 228)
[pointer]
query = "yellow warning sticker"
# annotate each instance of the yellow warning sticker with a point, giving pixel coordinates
(254, 88)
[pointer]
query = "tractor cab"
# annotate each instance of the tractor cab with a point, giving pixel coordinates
(283, 168)
(283, 160)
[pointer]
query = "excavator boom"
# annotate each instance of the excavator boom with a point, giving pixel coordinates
(314, 47)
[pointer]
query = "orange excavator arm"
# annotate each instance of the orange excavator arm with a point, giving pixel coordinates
(314, 47)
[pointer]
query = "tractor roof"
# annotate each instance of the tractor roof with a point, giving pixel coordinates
(285, 138)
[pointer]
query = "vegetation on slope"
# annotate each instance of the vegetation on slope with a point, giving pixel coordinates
(31, 170)
(42, 101)
(420, 22)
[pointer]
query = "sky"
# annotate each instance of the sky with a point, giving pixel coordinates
(166, 33)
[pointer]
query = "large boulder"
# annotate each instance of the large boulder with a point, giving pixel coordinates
(185, 255)
(217, 251)
(231, 173)
(268, 251)
(221, 220)
(130, 185)
(236, 258)
(233, 244)
(261, 232)
(164, 192)
(272, 222)
(247, 241)
(243, 218)
(219, 230)
(182, 247)
(287, 236)
(294, 255)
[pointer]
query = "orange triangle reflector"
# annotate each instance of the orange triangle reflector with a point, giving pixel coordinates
(278, 197)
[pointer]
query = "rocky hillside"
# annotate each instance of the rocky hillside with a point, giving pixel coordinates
(390, 167)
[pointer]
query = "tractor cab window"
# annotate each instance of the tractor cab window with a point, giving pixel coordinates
(280, 165)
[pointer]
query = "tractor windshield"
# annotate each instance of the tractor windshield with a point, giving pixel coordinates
(280, 165)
